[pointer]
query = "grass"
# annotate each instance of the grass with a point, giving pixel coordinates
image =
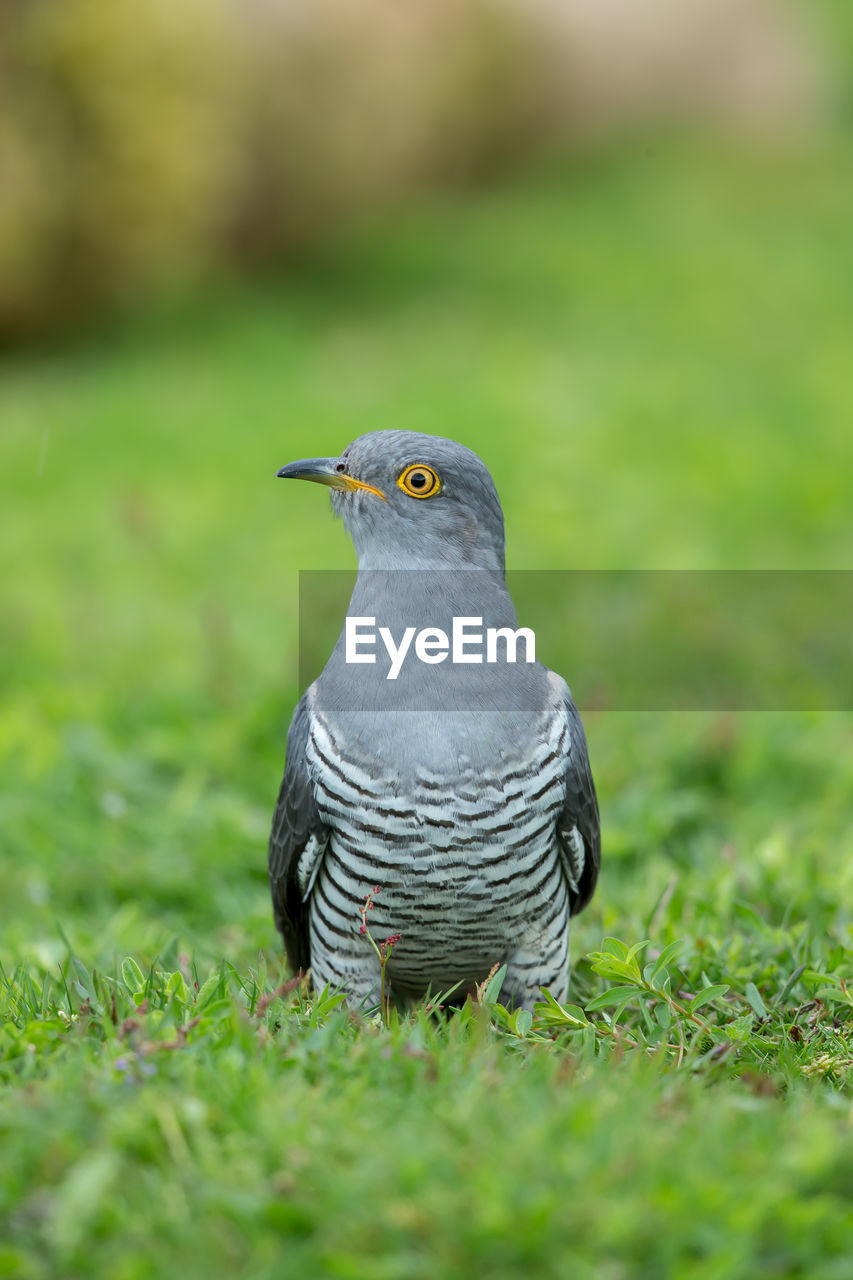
(651, 353)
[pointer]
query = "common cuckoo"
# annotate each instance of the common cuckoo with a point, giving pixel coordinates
(461, 788)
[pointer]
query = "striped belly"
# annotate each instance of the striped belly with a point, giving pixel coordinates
(468, 871)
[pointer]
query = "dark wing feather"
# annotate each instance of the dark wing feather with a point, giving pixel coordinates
(295, 822)
(579, 815)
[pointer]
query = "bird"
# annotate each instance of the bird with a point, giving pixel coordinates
(455, 800)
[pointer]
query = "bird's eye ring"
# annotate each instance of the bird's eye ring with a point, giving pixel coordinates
(419, 481)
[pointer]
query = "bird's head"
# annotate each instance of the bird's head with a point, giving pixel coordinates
(410, 500)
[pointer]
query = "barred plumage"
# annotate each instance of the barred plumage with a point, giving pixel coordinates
(476, 818)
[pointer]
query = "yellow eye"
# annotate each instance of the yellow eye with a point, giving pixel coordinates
(419, 481)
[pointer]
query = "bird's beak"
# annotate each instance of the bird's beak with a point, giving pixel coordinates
(325, 471)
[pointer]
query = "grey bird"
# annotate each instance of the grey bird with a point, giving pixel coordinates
(461, 789)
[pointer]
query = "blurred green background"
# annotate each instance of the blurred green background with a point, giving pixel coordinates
(612, 253)
(639, 316)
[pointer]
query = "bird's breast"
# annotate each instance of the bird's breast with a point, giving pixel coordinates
(461, 852)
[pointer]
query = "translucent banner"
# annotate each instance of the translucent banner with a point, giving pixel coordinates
(624, 640)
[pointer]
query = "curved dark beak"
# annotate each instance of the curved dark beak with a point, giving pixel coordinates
(325, 471)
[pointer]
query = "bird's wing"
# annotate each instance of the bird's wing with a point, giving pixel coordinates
(578, 827)
(297, 843)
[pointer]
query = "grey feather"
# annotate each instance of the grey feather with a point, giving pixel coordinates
(296, 827)
(579, 819)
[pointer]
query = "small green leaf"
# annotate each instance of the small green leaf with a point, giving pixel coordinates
(636, 949)
(650, 1025)
(523, 1022)
(209, 986)
(753, 995)
(177, 987)
(814, 979)
(571, 1013)
(132, 975)
(553, 1013)
(615, 947)
(833, 995)
(707, 995)
(663, 1013)
(620, 1009)
(740, 1030)
(607, 967)
(493, 989)
(85, 983)
(666, 956)
(501, 1014)
(615, 995)
(791, 983)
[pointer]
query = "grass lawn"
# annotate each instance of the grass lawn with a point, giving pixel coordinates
(652, 354)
